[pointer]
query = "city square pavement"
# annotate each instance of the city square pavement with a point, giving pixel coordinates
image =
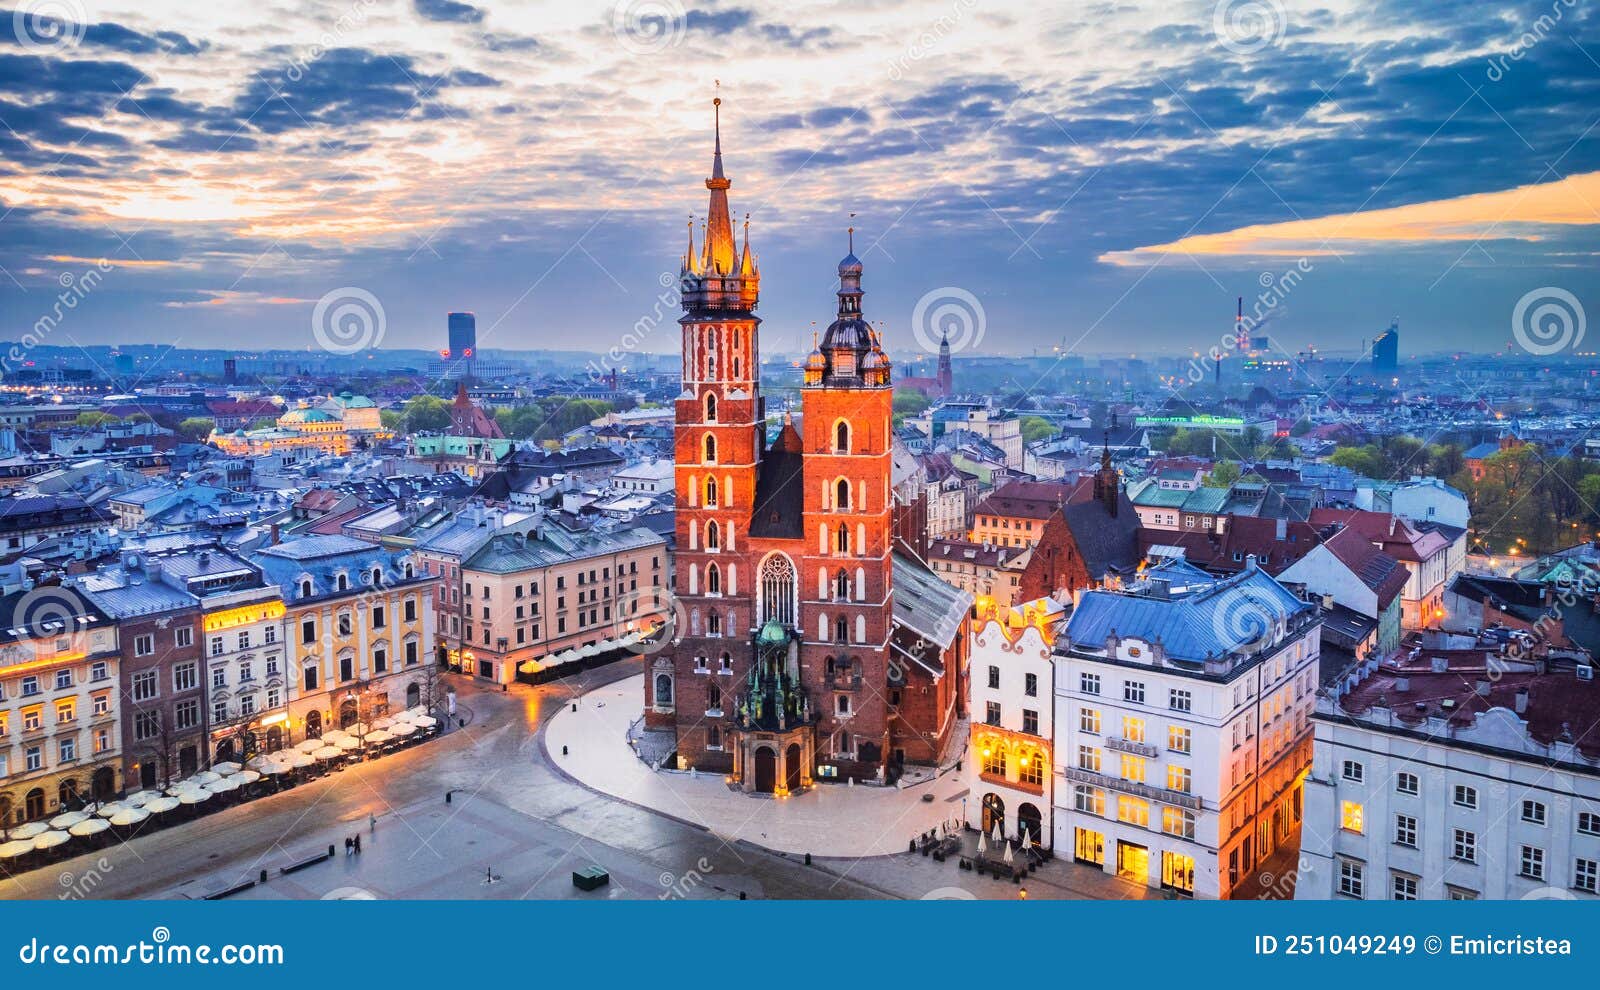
(513, 817)
(589, 740)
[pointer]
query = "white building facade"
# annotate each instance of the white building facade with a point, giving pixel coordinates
(1182, 718)
(1013, 725)
(1488, 790)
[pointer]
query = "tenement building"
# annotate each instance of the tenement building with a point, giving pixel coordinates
(1455, 774)
(812, 649)
(1183, 726)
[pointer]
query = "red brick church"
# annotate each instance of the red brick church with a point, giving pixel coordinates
(814, 648)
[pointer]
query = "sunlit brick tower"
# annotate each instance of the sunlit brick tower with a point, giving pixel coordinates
(785, 565)
(846, 404)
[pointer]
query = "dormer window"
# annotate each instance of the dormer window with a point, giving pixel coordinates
(377, 575)
(342, 582)
(305, 587)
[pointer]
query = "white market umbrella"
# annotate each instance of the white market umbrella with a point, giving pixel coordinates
(377, 737)
(68, 819)
(405, 716)
(139, 799)
(203, 778)
(425, 722)
(299, 761)
(359, 729)
(983, 844)
(111, 808)
(28, 830)
(247, 776)
(1007, 855)
(50, 839)
(403, 729)
(417, 710)
(222, 786)
(195, 796)
(257, 762)
(276, 769)
(328, 753)
(999, 836)
(347, 743)
(129, 816)
(225, 768)
(15, 848)
(180, 787)
(381, 724)
(310, 745)
(161, 805)
(90, 826)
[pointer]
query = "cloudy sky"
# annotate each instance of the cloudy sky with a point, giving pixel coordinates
(1105, 177)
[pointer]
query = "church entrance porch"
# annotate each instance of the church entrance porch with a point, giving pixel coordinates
(772, 763)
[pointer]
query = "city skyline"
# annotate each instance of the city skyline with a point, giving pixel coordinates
(1106, 180)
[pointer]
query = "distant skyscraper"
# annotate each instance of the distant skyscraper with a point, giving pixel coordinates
(230, 371)
(947, 378)
(1386, 351)
(463, 342)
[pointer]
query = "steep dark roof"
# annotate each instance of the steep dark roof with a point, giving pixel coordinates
(780, 496)
(1376, 569)
(1107, 542)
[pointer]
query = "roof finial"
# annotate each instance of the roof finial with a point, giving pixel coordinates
(852, 233)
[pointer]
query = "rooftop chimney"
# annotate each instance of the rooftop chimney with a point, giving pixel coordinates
(1521, 702)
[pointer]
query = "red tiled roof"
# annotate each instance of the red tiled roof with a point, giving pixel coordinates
(1034, 499)
(1381, 573)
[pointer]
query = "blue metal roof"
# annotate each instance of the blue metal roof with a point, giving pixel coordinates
(1193, 615)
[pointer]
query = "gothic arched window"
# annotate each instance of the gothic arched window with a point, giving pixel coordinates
(841, 539)
(841, 438)
(842, 495)
(713, 580)
(777, 583)
(663, 690)
(710, 449)
(711, 407)
(713, 535)
(711, 492)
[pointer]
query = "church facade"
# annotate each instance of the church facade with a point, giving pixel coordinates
(814, 648)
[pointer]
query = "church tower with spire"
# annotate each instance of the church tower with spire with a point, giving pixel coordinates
(789, 662)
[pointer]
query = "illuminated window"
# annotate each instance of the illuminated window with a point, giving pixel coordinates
(1133, 729)
(1178, 739)
(1353, 817)
(1176, 821)
(1133, 768)
(1178, 779)
(1032, 770)
(994, 761)
(1133, 811)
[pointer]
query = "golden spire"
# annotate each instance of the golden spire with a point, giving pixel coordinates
(747, 264)
(720, 257)
(690, 262)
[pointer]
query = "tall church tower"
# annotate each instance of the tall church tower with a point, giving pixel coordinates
(847, 404)
(718, 441)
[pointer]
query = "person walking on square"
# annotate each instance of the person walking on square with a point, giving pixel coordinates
(349, 845)
(372, 823)
(358, 843)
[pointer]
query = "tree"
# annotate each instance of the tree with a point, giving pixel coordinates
(425, 413)
(1362, 460)
(1036, 428)
(910, 402)
(1223, 475)
(196, 428)
(94, 420)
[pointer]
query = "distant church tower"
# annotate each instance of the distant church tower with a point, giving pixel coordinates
(947, 378)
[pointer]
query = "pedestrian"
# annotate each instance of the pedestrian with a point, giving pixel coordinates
(349, 845)
(358, 843)
(372, 823)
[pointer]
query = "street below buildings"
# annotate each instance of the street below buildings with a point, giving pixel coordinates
(513, 827)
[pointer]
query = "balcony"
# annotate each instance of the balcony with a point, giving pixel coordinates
(1146, 791)
(843, 682)
(1145, 750)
